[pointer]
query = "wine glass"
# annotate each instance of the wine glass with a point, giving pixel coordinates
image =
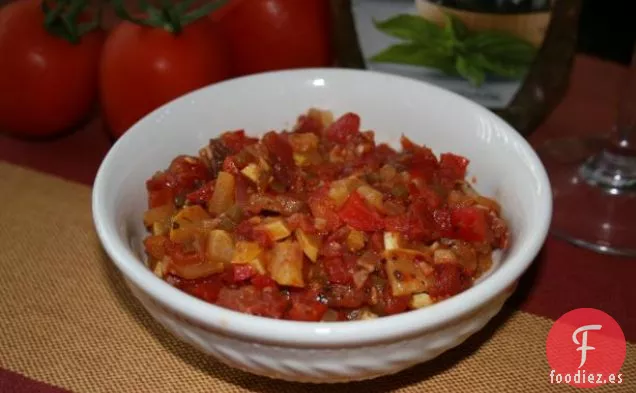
(594, 182)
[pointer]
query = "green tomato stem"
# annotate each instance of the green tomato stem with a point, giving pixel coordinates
(168, 15)
(61, 20)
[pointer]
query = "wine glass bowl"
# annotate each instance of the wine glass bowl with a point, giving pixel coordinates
(594, 182)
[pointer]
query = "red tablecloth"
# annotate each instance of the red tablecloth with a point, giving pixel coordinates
(562, 278)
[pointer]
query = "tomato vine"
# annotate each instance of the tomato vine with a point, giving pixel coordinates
(62, 18)
(168, 15)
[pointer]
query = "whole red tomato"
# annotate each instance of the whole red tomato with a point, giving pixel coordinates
(47, 84)
(265, 35)
(145, 67)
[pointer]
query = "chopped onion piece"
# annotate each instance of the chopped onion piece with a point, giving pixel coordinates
(371, 196)
(355, 240)
(250, 253)
(444, 256)
(252, 172)
(158, 214)
(303, 142)
(420, 300)
(340, 190)
(199, 270)
(393, 241)
(276, 229)
(360, 277)
(387, 173)
(223, 196)
(309, 243)
(220, 246)
(330, 315)
(369, 260)
(404, 275)
(286, 264)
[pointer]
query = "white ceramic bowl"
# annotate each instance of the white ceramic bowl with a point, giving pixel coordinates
(505, 165)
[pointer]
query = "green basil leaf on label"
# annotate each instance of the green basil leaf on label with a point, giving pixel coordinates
(455, 28)
(501, 46)
(416, 55)
(499, 67)
(412, 28)
(470, 71)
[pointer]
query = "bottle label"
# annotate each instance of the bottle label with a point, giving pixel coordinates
(481, 49)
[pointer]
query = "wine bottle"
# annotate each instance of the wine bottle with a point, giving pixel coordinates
(496, 6)
(512, 56)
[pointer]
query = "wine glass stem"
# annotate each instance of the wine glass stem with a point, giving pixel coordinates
(614, 168)
(626, 119)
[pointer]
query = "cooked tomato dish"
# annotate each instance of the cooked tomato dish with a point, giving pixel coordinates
(319, 223)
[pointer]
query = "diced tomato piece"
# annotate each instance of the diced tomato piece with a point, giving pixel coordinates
(301, 221)
(377, 242)
(327, 172)
(421, 173)
(338, 236)
(358, 215)
(344, 128)
(383, 153)
(241, 196)
(202, 195)
(499, 231)
(305, 306)
(261, 281)
(155, 246)
(448, 279)
(230, 166)
(227, 276)
(469, 223)
(246, 231)
(182, 177)
(279, 148)
(424, 164)
(331, 249)
(340, 270)
(160, 190)
(186, 172)
(266, 302)
(181, 255)
(282, 160)
(443, 222)
(322, 208)
(207, 288)
(388, 304)
(262, 238)
(158, 181)
(309, 124)
(418, 223)
(160, 198)
(428, 196)
(236, 140)
(314, 274)
(453, 167)
(345, 296)
(242, 272)
(421, 223)
(397, 224)
(342, 316)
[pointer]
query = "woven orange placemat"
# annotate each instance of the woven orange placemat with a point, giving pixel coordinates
(67, 319)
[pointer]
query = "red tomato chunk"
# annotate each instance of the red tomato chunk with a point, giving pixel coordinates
(319, 223)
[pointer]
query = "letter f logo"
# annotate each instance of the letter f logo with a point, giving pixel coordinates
(583, 344)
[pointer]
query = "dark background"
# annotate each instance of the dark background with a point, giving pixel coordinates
(607, 29)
